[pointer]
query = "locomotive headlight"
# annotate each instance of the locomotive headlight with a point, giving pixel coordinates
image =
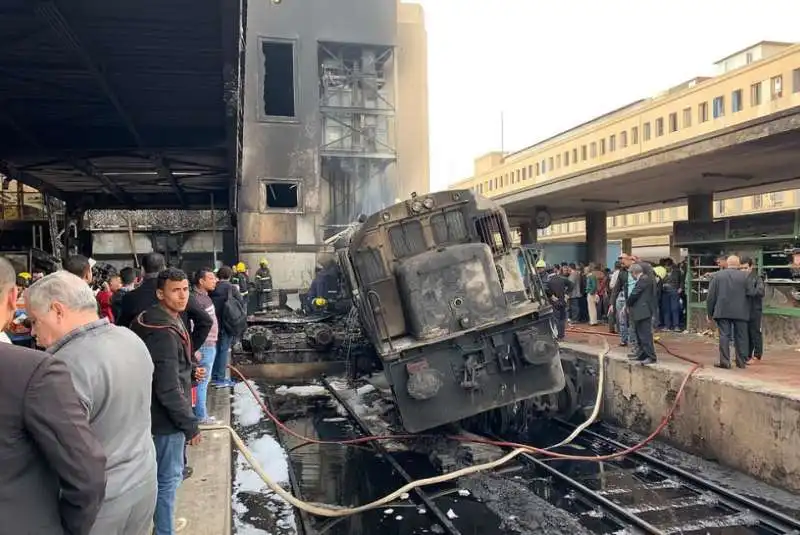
(428, 203)
(416, 206)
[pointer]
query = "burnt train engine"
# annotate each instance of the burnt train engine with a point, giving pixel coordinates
(457, 329)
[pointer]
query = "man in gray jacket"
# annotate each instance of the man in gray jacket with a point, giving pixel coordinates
(112, 372)
(52, 478)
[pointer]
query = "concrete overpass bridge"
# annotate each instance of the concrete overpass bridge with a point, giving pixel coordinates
(715, 138)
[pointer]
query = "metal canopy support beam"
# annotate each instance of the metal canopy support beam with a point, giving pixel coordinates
(14, 173)
(50, 12)
(87, 168)
(165, 173)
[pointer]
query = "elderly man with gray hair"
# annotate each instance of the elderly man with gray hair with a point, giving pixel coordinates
(112, 372)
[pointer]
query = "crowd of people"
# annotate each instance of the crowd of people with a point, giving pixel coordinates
(98, 410)
(636, 298)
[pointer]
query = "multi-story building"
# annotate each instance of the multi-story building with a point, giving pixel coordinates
(760, 80)
(335, 124)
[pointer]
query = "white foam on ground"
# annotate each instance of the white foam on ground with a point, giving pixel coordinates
(245, 408)
(272, 458)
(301, 391)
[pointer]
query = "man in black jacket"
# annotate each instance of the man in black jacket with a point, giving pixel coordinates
(224, 290)
(641, 308)
(174, 422)
(138, 300)
(728, 305)
(557, 287)
(755, 291)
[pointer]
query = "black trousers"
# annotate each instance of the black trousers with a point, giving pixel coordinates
(755, 338)
(644, 338)
(733, 331)
(560, 318)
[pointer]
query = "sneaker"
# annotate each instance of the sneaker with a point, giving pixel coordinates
(208, 421)
(187, 472)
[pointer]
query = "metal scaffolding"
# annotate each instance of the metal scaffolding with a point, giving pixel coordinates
(357, 91)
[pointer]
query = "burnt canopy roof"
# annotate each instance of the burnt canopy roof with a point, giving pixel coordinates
(121, 104)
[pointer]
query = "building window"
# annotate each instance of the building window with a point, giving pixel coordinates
(755, 94)
(583, 153)
(796, 81)
(719, 107)
(593, 149)
(702, 112)
(776, 87)
(659, 127)
(550, 163)
(758, 202)
(279, 80)
(544, 166)
(566, 158)
(530, 172)
(524, 173)
(283, 195)
(646, 132)
(673, 122)
(518, 175)
(775, 199)
(720, 208)
(602, 147)
(574, 156)
(612, 143)
(537, 168)
(736, 101)
(634, 135)
(623, 139)
(687, 117)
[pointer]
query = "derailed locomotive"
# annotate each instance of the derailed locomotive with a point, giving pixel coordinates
(457, 328)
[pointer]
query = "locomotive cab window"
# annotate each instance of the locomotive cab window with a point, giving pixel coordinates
(449, 227)
(407, 239)
(493, 233)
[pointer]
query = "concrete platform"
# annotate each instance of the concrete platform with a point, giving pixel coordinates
(747, 419)
(204, 499)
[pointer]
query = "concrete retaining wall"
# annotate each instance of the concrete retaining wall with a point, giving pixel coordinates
(749, 425)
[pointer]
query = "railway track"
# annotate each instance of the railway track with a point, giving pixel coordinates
(648, 495)
(637, 493)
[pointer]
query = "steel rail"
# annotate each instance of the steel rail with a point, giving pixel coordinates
(616, 510)
(773, 516)
(446, 523)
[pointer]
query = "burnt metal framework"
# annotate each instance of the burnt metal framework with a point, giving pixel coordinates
(122, 104)
(357, 106)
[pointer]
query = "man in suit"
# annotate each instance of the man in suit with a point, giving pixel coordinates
(53, 476)
(641, 305)
(728, 305)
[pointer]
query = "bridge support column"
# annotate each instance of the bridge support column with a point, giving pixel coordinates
(701, 207)
(596, 237)
(627, 246)
(674, 251)
(528, 234)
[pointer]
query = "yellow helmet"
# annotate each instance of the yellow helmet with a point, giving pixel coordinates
(541, 264)
(25, 275)
(240, 267)
(263, 262)
(319, 302)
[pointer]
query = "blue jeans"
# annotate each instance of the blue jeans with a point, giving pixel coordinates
(207, 354)
(220, 369)
(169, 458)
(622, 319)
(670, 309)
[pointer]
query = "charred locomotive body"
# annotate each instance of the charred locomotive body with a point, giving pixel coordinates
(442, 297)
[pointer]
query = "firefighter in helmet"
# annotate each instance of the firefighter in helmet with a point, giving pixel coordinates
(240, 279)
(263, 284)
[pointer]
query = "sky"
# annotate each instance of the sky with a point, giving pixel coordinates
(547, 66)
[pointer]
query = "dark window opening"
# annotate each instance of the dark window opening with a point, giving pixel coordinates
(282, 195)
(494, 233)
(449, 227)
(407, 239)
(278, 79)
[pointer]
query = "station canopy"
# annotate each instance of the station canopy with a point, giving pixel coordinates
(121, 103)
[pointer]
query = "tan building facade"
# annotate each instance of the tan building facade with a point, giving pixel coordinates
(756, 82)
